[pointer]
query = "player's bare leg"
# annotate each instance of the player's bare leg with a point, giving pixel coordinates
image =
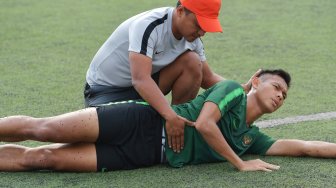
(294, 147)
(59, 157)
(78, 126)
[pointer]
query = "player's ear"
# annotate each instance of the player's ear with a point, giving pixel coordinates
(255, 82)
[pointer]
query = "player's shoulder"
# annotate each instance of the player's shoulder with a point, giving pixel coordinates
(227, 88)
(229, 84)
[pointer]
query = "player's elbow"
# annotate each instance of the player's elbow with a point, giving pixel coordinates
(202, 127)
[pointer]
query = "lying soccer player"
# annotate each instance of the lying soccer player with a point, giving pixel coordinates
(128, 135)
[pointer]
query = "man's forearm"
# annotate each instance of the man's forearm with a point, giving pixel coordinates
(151, 93)
(212, 135)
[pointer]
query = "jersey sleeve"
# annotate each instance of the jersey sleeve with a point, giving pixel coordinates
(262, 143)
(226, 95)
(200, 49)
(142, 39)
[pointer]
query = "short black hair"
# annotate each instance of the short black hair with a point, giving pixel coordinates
(178, 3)
(187, 11)
(283, 74)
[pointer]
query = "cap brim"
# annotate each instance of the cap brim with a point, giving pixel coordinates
(209, 24)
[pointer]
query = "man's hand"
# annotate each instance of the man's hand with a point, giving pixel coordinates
(248, 85)
(175, 132)
(257, 164)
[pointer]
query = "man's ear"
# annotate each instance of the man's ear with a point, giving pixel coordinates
(179, 10)
(255, 82)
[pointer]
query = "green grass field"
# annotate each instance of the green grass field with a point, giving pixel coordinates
(46, 48)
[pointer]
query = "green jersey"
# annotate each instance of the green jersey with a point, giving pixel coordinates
(230, 98)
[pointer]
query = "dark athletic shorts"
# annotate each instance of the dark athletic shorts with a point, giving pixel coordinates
(129, 137)
(98, 94)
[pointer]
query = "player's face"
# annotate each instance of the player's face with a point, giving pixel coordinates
(272, 91)
(189, 28)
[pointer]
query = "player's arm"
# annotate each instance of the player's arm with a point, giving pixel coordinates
(206, 125)
(293, 147)
(210, 78)
(141, 67)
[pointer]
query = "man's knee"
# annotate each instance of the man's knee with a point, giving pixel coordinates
(44, 130)
(192, 64)
(185, 71)
(39, 158)
(30, 124)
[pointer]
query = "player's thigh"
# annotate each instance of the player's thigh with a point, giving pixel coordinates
(78, 126)
(80, 157)
(287, 147)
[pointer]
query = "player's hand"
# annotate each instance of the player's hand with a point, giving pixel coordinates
(247, 87)
(175, 132)
(258, 165)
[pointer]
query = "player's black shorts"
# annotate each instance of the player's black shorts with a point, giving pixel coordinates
(129, 136)
(96, 95)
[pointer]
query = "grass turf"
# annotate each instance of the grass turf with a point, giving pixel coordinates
(46, 48)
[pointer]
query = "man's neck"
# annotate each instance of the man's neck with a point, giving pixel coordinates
(175, 31)
(253, 110)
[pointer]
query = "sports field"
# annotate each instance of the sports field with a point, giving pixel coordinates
(47, 46)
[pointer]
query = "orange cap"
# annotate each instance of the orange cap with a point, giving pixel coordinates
(206, 12)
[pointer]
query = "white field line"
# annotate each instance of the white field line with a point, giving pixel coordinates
(296, 119)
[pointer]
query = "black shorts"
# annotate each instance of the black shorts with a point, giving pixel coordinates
(98, 94)
(129, 137)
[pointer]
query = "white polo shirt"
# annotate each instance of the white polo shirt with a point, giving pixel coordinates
(148, 33)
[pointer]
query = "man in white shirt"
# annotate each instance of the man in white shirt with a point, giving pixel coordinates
(153, 53)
